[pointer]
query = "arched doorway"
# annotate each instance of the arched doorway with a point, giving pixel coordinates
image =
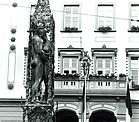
(66, 116)
(102, 116)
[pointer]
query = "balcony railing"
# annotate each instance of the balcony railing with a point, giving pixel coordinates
(95, 86)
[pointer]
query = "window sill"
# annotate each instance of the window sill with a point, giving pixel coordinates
(105, 31)
(135, 86)
(70, 31)
(134, 89)
(133, 31)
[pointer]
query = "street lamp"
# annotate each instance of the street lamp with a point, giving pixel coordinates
(86, 66)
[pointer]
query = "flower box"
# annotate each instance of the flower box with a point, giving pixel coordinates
(105, 29)
(67, 76)
(134, 29)
(71, 29)
(102, 78)
(122, 77)
(135, 86)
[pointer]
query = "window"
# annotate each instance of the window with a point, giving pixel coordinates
(70, 65)
(105, 16)
(103, 65)
(134, 15)
(132, 66)
(68, 62)
(71, 17)
(105, 60)
(135, 70)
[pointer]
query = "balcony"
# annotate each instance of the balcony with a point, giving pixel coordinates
(95, 86)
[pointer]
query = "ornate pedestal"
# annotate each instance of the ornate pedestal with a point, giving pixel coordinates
(37, 113)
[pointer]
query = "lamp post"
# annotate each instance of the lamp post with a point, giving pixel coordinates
(84, 113)
(86, 65)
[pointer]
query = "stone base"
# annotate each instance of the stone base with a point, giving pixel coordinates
(38, 113)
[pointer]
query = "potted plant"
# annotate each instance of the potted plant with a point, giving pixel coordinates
(102, 77)
(135, 86)
(71, 29)
(134, 28)
(105, 29)
(122, 76)
(67, 76)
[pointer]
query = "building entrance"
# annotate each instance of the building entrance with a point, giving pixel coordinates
(102, 116)
(66, 116)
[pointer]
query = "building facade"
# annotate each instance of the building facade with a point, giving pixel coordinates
(107, 29)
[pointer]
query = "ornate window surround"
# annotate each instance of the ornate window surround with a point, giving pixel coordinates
(68, 52)
(104, 52)
(130, 52)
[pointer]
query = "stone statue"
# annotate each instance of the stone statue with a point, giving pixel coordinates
(86, 63)
(43, 52)
(37, 67)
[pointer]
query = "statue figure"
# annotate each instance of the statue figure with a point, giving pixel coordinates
(43, 51)
(86, 63)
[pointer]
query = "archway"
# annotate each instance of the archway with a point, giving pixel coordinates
(102, 116)
(66, 115)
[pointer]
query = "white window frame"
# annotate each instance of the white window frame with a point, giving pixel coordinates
(105, 16)
(104, 69)
(70, 68)
(72, 15)
(135, 17)
(69, 52)
(137, 68)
